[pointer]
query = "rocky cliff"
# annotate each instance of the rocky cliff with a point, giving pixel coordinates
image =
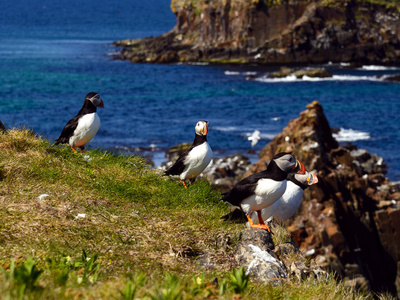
(350, 221)
(275, 32)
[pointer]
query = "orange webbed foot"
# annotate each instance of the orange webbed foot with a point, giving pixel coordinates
(262, 225)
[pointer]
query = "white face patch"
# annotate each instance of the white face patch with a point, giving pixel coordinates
(286, 162)
(201, 128)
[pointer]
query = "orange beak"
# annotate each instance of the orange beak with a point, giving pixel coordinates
(314, 179)
(299, 166)
(101, 105)
(205, 129)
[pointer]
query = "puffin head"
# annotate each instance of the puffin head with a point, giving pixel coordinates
(201, 128)
(288, 163)
(305, 180)
(95, 99)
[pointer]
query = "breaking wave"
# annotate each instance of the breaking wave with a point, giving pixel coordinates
(350, 135)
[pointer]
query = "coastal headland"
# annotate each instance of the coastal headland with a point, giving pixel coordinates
(274, 32)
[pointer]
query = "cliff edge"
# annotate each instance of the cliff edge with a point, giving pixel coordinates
(274, 32)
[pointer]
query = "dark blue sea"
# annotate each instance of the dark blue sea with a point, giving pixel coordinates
(53, 52)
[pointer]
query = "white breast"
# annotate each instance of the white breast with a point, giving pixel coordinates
(268, 191)
(87, 128)
(196, 161)
(289, 203)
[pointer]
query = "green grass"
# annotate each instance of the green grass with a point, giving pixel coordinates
(111, 227)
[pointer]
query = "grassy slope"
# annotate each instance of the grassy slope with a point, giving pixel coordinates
(137, 224)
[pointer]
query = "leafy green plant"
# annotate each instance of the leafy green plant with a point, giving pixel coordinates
(60, 269)
(171, 290)
(132, 286)
(89, 268)
(23, 277)
(201, 288)
(239, 281)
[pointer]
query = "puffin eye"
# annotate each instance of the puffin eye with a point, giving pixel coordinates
(290, 159)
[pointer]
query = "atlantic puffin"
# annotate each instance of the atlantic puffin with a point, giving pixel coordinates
(194, 160)
(264, 188)
(83, 127)
(289, 203)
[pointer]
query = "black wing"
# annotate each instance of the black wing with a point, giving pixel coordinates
(243, 189)
(178, 167)
(68, 131)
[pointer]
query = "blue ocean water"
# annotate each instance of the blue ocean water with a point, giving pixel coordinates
(53, 52)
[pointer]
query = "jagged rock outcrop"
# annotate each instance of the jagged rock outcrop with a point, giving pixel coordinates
(274, 32)
(2, 127)
(350, 221)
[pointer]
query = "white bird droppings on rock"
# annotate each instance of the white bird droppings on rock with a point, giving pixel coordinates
(260, 257)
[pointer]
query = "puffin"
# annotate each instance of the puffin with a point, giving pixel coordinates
(194, 160)
(289, 203)
(264, 188)
(82, 128)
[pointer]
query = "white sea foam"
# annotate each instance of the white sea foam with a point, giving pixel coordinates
(263, 136)
(226, 129)
(231, 73)
(235, 73)
(350, 135)
(267, 136)
(378, 68)
(293, 78)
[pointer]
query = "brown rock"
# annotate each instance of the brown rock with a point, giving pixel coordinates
(340, 218)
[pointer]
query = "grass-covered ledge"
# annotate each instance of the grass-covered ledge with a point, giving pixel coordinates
(105, 226)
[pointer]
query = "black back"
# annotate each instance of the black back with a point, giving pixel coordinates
(246, 187)
(178, 167)
(87, 108)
